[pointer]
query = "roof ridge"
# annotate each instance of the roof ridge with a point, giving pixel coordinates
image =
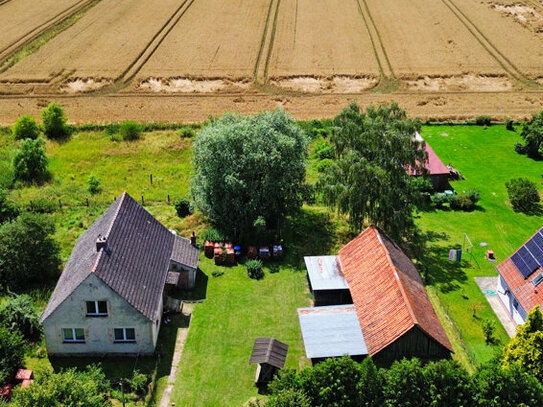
(397, 277)
(121, 198)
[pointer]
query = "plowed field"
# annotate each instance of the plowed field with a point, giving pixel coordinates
(441, 58)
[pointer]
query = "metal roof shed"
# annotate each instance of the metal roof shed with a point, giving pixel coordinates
(326, 280)
(331, 331)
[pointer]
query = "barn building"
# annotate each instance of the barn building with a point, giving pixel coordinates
(390, 317)
(438, 172)
(520, 281)
(326, 281)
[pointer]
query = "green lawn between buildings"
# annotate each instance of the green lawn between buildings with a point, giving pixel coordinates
(214, 369)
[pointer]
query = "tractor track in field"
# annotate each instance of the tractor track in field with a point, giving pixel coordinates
(2, 2)
(388, 79)
(258, 77)
(534, 3)
(272, 41)
(128, 75)
(36, 32)
(510, 68)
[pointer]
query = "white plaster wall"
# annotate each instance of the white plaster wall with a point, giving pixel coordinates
(507, 300)
(98, 330)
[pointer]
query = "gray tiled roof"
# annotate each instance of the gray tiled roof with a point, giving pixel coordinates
(136, 264)
(184, 253)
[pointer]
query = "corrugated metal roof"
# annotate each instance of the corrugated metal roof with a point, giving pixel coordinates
(331, 331)
(324, 273)
(270, 351)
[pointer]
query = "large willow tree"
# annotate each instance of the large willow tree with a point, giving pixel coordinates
(368, 179)
(248, 169)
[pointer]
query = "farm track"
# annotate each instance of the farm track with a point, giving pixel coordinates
(272, 40)
(502, 60)
(42, 28)
(260, 74)
(4, 2)
(155, 42)
(385, 67)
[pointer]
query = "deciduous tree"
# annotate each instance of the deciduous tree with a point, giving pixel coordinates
(30, 161)
(532, 133)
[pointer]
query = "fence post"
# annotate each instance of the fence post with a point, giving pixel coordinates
(59, 204)
(151, 178)
(142, 200)
(31, 205)
(168, 198)
(87, 202)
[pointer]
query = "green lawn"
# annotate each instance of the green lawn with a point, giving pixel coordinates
(486, 159)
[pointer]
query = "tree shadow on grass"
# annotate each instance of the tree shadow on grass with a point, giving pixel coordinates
(437, 269)
(310, 232)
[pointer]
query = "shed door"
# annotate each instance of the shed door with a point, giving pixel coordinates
(183, 279)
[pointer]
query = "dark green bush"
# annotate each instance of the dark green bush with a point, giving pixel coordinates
(473, 195)
(19, 314)
(183, 208)
(95, 185)
(439, 199)
(254, 269)
(26, 127)
(42, 205)
(462, 202)
(186, 132)
(323, 150)
(488, 331)
(11, 353)
(520, 148)
(213, 235)
(138, 382)
(523, 194)
(8, 210)
(54, 122)
(30, 161)
(322, 165)
(509, 125)
(483, 120)
(130, 130)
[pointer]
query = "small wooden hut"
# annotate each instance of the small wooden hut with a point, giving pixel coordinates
(270, 354)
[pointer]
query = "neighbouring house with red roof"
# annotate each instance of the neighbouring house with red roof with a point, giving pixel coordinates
(390, 317)
(520, 281)
(439, 173)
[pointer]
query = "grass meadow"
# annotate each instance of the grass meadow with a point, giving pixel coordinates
(234, 309)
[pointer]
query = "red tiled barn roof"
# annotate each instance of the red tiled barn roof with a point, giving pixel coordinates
(434, 164)
(524, 291)
(387, 291)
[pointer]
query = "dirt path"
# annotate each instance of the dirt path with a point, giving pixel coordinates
(178, 352)
(195, 108)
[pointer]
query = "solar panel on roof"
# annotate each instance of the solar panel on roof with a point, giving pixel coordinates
(520, 265)
(528, 258)
(536, 251)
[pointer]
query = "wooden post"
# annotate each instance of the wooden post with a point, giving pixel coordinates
(87, 202)
(31, 205)
(168, 198)
(142, 200)
(151, 178)
(59, 204)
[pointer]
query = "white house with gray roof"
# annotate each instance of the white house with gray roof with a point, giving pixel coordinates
(109, 298)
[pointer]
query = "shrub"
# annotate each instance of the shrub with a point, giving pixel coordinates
(42, 205)
(8, 210)
(186, 132)
(138, 382)
(488, 331)
(509, 124)
(439, 199)
(183, 208)
(520, 148)
(11, 353)
(422, 184)
(323, 165)
(254, 269)
(462, 202)
(95, 185)
(54, 122)
(323, 150)
(483, 120)
(111, 128)
(25, 127)
(473, 195)
(130, 130)
(523, 194)
(30, 161)
(19, 315)
(212, 235)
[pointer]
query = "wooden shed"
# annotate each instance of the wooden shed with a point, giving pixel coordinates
(270, 354)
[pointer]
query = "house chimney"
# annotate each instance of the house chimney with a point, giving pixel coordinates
(101, 242)
(193, 239)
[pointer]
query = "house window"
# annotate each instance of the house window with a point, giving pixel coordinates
(73, 335)
(96, 308)
(124, 335)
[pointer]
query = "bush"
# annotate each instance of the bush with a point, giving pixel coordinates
(323, 165)
(473, 195)
(138, 382)
(439, 199)
(8, 210)
(462, 202)
(488, 331)
(42, 205)
(54, 122)
(483, 120)
(95, 185)
(509, 125)
(11, 353)
(523, 195)
(130, 130)
(213, 235)
(19, 314)
(520, 148)
(30, 161)
(254, 269)
(186, 132)
(183, 208)
(323, 150)
(25, 127)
